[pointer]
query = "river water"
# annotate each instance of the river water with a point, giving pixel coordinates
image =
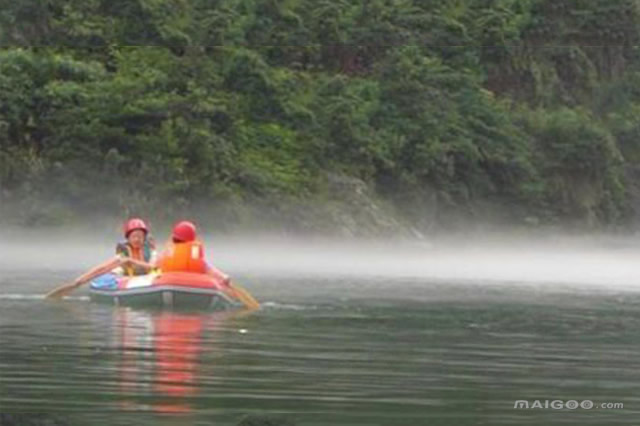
(333, 347)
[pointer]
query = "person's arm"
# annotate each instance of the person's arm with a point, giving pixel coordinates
(146, 265)
(101, 269)
(218, 274)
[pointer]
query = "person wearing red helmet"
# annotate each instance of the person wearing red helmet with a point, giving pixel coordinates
(186, 253)
(138, 251)
(134, 256)
(183, 231)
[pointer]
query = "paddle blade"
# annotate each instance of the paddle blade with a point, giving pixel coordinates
(60, 292)
(244, 296)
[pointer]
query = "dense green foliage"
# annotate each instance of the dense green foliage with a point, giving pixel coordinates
(524, 110)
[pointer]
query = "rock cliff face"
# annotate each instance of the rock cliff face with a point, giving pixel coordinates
(355, 210)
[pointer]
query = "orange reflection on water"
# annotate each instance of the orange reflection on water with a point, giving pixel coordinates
(177, 346)
(160, 356)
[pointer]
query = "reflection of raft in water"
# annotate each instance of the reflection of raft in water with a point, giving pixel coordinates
(171, 289)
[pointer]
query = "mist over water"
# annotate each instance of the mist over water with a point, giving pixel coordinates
(587, 263)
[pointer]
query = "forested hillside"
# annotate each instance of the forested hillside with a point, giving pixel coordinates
(319, 114)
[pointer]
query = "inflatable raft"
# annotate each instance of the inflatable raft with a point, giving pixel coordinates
(171, 289)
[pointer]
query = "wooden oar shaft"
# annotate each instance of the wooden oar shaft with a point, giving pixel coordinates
(65, 289)
(244, 296)
(60, 292)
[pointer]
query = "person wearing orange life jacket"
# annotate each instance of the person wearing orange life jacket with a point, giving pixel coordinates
(186, 254)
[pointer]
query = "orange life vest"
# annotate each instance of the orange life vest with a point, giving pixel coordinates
(183, 257)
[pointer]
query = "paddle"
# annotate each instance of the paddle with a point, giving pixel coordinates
(66, 289)
(244, 296)
(61, 291)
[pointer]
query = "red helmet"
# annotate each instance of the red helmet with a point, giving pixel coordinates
(184, 231)
(133, 225)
